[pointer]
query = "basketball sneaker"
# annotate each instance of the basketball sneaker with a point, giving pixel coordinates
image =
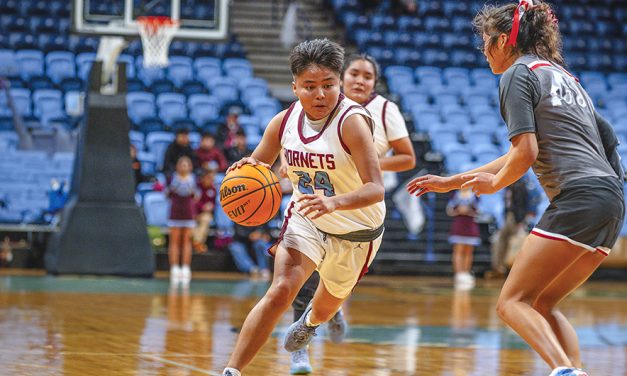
(299, 334)
(300, 362)
(175, 274)
(337, 327)
(231, 372)
(568, 371)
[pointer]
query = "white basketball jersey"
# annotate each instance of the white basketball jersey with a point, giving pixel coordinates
(389, 123)
(320, 163)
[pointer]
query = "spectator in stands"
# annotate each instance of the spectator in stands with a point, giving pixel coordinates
(518, 211)
(204, 207)
(182, 191)
(177, 149)
(464, 235)
(6, 255)
(573, 153)
(239, 148)
(255, 239)
(208, 152)
(228, 131)
(137, 168)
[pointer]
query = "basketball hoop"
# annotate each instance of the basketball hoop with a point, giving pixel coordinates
(156, 33)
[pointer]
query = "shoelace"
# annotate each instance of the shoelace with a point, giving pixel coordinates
(301, 334)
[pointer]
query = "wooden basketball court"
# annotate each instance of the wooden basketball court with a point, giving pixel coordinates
(399, 326)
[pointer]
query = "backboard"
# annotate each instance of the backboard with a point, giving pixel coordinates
(198, 19)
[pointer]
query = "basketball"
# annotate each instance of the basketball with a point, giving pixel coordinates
(250, 195)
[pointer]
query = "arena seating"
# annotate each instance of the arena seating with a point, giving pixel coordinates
(47, 67)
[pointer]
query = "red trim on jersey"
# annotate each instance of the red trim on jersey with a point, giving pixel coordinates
(301, 122)
(364, 269)
(566, 239)
(339, 127)
(272, 249)
(372, 97)
(284, 121)
(540, 65)
(385, 107)
(551, 65)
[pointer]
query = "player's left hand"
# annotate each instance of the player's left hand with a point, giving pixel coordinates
(319, 205)
(481, 183)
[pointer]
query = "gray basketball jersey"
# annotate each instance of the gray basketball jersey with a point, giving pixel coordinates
(541, 97)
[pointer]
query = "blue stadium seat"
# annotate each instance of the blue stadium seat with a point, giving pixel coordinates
(22, 101)
(429, 76)
(162, 85)
(203, 108)
(455, 156)
(137, 139)
(60, 65)
(456, 76)
(84, 62)
(478, 136)
(48, 104)
(482, 77)
(172, 106)
(130, 64)
(150, 124)
(156, 209)
(157, 143)
(239, 68)
(140, 105)
(441, 137)
(30, 62)
(180, 70)
(8, 63)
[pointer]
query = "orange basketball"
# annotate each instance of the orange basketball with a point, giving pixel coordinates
(250, 195)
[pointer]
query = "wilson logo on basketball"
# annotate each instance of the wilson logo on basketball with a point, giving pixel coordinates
(238, 210)
(226, 191)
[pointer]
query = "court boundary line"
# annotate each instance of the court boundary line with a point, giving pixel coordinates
(182, 365)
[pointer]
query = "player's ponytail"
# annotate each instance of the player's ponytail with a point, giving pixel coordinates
(531, 26)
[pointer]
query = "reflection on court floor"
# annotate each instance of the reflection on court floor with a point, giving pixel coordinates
(399, 326)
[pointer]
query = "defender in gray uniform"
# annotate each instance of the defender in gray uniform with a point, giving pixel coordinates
(553, 128)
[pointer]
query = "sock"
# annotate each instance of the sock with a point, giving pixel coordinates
(308, 321)
(233, 372)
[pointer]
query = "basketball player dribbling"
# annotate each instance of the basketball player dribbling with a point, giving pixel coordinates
(334, 222)
(359, 78)
(554, 128)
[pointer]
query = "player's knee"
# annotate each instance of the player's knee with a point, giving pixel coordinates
(281, 294)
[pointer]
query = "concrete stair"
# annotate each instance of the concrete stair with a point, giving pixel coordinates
(258, 24)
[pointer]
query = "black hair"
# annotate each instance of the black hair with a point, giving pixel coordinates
(320, 52)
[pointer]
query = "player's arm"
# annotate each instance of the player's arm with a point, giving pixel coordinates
(357, 137)
(269, 147)
(403, 158)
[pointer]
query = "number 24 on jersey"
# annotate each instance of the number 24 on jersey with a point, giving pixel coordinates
(321, 181)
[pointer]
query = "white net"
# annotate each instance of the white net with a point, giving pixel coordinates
(156, 34)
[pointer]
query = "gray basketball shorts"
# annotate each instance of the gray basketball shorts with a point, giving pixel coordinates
(588, 213)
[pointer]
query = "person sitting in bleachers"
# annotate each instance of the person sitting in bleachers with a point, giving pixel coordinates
(239, 148)
(204, 207)
(208, 152)
(137, 168)
(228, 131)
(177, 149)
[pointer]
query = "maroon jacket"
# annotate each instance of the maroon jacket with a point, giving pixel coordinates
(214, 154)
(207, 194)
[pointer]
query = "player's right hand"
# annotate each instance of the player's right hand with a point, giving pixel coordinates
(247, 160)
(429, 183)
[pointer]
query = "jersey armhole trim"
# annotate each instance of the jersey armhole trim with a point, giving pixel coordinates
(383, 112)
(284, 121)
(339, 127)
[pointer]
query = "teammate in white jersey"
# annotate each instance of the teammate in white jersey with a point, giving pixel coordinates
(335, 221)
(359, 78)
